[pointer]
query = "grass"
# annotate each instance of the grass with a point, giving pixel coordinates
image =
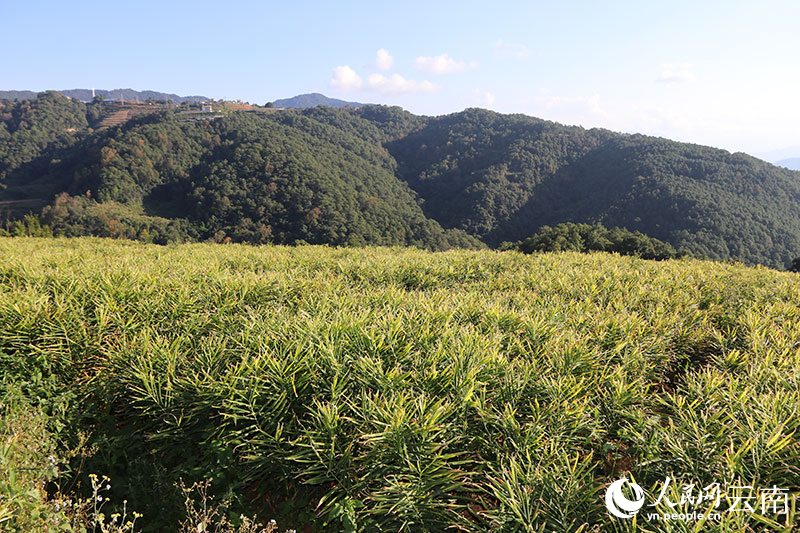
(399, 390)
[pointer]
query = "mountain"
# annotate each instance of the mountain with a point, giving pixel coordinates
(85, 95)
(792, 163)
(502, 177)
(314, 175)
(313, 100)
(381, 175)
(17, 95)
(773, 156)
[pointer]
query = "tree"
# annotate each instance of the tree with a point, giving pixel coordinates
(569, 236)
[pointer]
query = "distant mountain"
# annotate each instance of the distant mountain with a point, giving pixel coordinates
(17, 95)
(85, 95)
(773, 156)
(313, 100)
(791, 163)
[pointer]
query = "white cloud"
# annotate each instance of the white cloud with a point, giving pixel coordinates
(551, 101)
(384, 60)
(397, 84)
(442, 64)
(593, 103)
(675, 73)
(485, 98)
(345, 78)
(504, 49)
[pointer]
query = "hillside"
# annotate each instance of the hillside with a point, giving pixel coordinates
(17, 95)
(277, 177)
(85, 95)
(501, 177)
(32, 132)
(380, 175)
(393, 389)
(313, 100)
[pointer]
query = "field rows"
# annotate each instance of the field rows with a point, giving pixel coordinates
(388, 389)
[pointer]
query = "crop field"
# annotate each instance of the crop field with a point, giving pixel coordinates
(389, 389)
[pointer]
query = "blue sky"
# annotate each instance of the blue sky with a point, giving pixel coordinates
(723, 73)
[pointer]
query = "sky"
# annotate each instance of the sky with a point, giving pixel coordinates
(721, 73)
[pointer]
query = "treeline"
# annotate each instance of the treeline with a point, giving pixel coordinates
(379, 175)
(595, 238)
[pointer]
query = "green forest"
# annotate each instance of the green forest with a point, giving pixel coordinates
(377, 175)
(570, 237)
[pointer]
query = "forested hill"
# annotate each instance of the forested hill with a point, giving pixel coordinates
(313, 100)
(86, 95)
(381, 175)
(501, 177)
(316, 176)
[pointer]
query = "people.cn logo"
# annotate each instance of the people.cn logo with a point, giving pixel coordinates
(618, 504)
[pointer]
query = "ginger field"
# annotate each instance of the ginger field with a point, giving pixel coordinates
(392, 389)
